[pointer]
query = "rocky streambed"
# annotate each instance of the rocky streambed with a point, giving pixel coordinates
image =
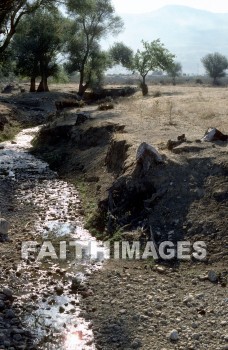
(40, 299)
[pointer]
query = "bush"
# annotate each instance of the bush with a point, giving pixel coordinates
(157, 93)
(199, 81)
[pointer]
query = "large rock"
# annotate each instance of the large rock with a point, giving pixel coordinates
(213, 134)
(147, 154)
(4, 226)
(8, 89)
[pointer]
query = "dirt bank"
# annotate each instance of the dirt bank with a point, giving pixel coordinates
(183, 196)
(137, 304)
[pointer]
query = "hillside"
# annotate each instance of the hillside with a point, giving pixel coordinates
(189, 33)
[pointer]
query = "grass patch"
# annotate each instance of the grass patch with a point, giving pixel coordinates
(94, 222)
(10, 131)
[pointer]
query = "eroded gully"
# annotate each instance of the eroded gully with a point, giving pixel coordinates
(49, 290)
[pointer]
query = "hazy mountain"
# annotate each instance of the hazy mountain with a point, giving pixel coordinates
(188, 33)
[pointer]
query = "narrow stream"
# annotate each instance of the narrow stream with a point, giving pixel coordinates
(50, 308)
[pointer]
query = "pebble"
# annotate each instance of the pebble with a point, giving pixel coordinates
(174, 335)
(212, 276)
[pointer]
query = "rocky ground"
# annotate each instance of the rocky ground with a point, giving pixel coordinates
(130, 304)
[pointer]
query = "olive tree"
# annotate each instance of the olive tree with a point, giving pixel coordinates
(122, 54)
(153, 56)
(36, 44)
(92, 20)
(11, 13)
(174, 71)
(215, 65)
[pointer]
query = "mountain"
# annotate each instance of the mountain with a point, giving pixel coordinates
(188, 33)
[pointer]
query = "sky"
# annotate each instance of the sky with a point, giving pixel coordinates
(144, 6)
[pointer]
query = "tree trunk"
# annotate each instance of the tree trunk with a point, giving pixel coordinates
(144, 86)
(82, 88)
(33, 84)
(43, 86)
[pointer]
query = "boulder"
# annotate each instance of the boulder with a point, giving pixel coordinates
(146, 155)
(213, 134)
(8, 89)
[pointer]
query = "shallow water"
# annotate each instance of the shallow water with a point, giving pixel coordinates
(55, 320)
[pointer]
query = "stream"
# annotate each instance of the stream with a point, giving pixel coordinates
(50, 290)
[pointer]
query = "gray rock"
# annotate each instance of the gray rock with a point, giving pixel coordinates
(174, 335)
(8, 293)
(212, 276)
(4, 226)
(136, 344)
(147, 154)
(10, 314)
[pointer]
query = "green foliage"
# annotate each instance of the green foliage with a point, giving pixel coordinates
(91, 21)
(7, 65)
(61, 76)
(215, 65)
(122, 54)
(37, 43)
(11, 13)
(175, 71)
(154, 56)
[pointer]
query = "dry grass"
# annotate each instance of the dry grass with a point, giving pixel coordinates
(179, 110)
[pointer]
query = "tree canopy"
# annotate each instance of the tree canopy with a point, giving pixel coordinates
(91, 21)
(175, 71)
(215, 65)
(11, 13)
(153, 56)
(122, 54)
(36, 45)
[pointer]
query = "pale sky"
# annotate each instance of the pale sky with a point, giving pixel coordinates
(145, 6)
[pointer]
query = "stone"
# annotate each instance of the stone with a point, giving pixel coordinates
(136, 344)
(174, 335)
(213, 134)
(9, 314)
(4, 226)
(59, 290)
(146, 151)
(8, 293)
(61, 309)
(76, 283)
(212, 276)
(8, 89)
